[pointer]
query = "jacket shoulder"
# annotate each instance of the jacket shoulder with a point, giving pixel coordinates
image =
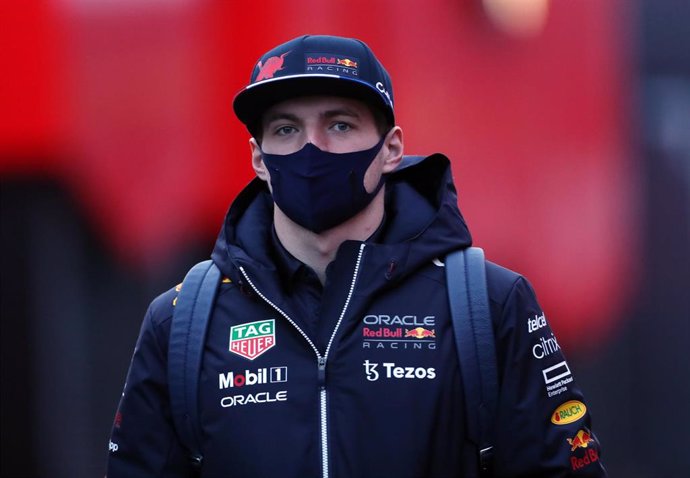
(500, 282)
(163, 306)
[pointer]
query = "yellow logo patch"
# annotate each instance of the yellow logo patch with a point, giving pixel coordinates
(569, 412)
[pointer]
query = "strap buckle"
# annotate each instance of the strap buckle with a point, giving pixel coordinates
(486, 459)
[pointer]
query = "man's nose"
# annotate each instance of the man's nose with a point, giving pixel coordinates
(317, 138)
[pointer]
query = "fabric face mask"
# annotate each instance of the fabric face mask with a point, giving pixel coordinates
(319, 190)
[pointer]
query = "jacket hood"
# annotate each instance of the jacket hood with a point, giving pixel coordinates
(422, 221)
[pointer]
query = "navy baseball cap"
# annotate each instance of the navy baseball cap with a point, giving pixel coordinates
(315, 65)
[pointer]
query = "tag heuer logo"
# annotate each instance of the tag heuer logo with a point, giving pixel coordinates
(252, 339)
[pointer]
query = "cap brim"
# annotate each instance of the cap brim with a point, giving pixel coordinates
(251, 102)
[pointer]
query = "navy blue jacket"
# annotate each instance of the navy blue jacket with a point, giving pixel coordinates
(368, 383)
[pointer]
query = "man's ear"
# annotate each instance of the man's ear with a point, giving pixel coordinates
(257, 161)
(393, 149)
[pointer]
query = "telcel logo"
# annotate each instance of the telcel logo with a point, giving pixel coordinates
(569, 412)
(536, 323)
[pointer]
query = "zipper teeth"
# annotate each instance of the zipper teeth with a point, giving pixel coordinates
(280, 311)
(324, 434)
(349, 296)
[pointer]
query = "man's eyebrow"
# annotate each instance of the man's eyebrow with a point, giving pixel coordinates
(280, 115)
(340, 112)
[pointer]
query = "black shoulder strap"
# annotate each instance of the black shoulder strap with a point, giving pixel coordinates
(474, 340)
(187, 335)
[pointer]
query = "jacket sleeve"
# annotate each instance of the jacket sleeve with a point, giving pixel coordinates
(544, 428)
(143, 442)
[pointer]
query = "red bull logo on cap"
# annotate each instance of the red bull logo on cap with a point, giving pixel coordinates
(347, 62)
(271, 67)
(330, 64)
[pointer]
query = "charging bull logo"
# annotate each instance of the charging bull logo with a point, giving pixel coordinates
(271, 67)
(581, 440)
(420, 333)
(347, 62)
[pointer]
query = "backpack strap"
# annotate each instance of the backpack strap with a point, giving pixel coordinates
(187, 336)
(474, 340)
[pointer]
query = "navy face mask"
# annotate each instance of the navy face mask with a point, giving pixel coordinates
(319, 190)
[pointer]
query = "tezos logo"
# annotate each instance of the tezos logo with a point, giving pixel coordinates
(252, 339)
(391, 371)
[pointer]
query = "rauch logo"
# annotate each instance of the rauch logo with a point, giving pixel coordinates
(568, 412)
(252, 339)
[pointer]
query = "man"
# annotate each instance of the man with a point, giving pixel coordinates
(330, 350)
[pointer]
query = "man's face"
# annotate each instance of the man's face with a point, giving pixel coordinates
(331, 123)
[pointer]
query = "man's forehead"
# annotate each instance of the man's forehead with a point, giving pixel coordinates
(317, 105)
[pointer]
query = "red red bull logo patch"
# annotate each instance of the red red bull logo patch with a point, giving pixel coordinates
(252, 339)
(273, 65)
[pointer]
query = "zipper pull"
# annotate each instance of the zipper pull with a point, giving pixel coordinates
(322, 373)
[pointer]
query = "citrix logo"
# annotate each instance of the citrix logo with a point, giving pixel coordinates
(391, 371)
(545, 347)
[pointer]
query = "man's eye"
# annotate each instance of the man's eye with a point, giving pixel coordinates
(285, 130)
(342, 127)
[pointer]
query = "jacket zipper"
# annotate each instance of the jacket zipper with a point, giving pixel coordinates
(321, 359)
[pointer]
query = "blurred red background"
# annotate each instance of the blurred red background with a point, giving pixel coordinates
(130, 104)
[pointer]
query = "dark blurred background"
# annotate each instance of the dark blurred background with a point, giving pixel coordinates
(568, 124)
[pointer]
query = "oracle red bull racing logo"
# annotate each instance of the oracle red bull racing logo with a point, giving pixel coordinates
(252, 339)
(399, 332)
